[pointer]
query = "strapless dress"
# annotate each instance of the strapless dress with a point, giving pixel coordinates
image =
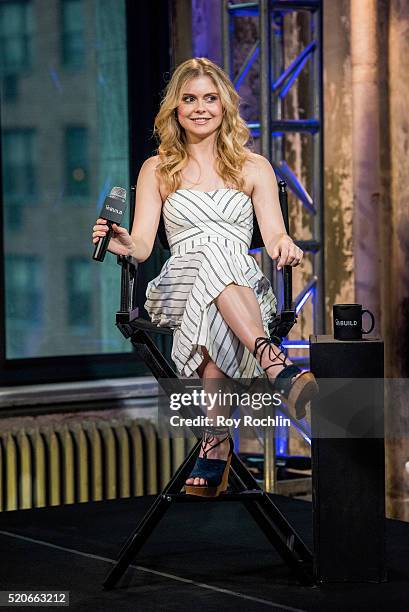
(209, 235)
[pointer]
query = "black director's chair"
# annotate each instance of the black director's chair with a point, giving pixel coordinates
(243, 485)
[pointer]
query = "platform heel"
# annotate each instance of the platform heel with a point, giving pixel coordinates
(214, 471)
(296, 393)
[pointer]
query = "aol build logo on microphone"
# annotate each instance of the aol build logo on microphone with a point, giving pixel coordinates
(113, 209)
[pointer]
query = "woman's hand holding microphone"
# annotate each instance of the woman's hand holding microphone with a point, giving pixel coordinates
(121, 242)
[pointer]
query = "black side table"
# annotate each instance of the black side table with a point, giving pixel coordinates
(348, 476)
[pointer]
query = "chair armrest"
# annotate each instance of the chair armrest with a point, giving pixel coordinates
(121, 258)
(129, 278)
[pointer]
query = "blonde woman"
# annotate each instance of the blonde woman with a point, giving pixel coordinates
(206, 183)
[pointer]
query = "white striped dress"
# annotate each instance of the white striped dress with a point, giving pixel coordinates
(209, 234)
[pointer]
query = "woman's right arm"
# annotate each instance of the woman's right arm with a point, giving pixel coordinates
(148, 209)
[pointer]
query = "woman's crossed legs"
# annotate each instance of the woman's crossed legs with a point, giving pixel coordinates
(240, 309)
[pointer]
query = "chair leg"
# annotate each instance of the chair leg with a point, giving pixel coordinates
(151, 519)
(274, 525)
(245, 488)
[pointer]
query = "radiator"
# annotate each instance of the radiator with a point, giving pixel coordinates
(85, 461)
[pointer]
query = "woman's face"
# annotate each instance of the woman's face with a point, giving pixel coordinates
(200, 111)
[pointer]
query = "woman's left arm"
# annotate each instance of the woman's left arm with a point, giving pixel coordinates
(268, 211)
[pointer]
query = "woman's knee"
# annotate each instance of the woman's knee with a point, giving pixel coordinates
(208, 368)
(213, 371)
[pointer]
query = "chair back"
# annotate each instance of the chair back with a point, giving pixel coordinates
(281, 324)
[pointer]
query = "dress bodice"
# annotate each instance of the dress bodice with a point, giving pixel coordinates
(194, 217)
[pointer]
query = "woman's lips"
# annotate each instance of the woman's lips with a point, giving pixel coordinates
(201, 120)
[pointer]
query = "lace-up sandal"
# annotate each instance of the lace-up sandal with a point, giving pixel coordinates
(297, 393)
(214, 471)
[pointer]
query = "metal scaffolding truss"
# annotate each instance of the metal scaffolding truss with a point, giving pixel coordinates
(276, 80)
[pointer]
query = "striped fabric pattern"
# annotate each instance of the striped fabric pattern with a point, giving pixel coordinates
(209, 235)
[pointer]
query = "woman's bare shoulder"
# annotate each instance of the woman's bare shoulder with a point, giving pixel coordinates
(149, 174)
(149, 168)
(151, 164)
(253, 168)
(255, 162)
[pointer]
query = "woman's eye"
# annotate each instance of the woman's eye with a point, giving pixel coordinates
(189, 99)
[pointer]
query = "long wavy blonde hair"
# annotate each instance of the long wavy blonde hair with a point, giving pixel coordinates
(232, 136)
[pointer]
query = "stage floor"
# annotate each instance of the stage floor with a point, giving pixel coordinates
(202, 557)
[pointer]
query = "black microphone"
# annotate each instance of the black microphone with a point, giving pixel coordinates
(113, 211)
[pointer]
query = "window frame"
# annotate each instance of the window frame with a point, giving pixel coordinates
(65, 63)
(33, 261)
(27, 198)
(27, 37)
(73, 265)
(69, 192)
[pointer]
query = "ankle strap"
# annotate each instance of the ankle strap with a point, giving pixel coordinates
(266, 344)
(209, 434)
(216, 431)
(283, 379)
